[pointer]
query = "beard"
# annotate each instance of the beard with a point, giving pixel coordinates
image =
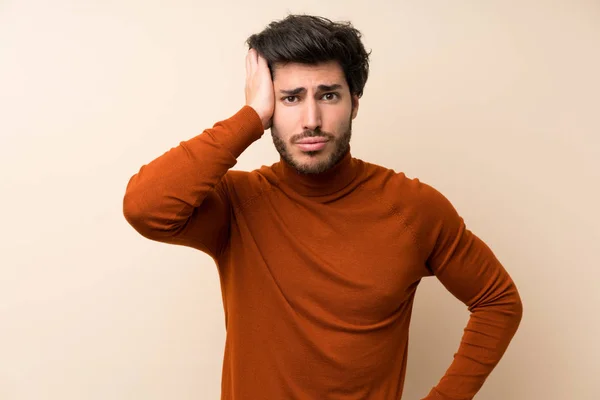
(341, 145)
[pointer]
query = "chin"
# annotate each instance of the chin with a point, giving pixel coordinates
(312, 162)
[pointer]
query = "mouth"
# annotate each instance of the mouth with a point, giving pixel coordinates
(312, 143)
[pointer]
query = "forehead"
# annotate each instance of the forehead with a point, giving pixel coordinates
(292, 75)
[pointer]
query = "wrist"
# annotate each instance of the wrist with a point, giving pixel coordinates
(265, 118)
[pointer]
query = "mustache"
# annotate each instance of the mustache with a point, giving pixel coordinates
(316, 133)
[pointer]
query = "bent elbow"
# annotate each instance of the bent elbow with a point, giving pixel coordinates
(137, 216)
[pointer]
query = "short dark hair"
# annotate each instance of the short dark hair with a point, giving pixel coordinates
(311, 39)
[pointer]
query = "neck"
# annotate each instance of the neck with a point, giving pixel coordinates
(334, 179)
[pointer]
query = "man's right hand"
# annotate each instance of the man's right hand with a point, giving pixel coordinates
(259, 87)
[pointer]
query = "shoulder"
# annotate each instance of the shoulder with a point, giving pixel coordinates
(398, 184)
(419, 202)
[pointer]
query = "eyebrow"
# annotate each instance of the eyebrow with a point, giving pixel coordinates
(322, 88)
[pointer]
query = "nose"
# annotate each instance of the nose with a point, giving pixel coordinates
(312, 115)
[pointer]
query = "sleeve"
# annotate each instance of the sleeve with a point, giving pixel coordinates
(181, 197)
(467, 268)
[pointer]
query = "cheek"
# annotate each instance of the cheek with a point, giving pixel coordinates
(338, 121)
(284, 122)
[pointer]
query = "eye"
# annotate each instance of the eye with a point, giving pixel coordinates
(330, 96)
(290, 99)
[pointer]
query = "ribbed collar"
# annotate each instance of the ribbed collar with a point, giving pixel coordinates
(329, 182)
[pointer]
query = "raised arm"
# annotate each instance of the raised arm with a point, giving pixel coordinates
(181, 197)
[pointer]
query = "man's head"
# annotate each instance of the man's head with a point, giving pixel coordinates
(319, 70)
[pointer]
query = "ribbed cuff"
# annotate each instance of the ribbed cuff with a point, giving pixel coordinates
(241, 130)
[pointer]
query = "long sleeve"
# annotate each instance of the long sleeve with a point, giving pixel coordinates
(180, 198)
(466, 266)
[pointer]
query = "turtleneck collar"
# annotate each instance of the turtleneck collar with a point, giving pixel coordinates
(329, 182)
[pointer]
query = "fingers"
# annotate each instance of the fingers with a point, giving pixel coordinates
(251, 62)
(262, 63)
(247, 66)
(256, 65)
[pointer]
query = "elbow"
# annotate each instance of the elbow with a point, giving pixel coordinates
(136, 215)
(517, 307)
(132, 212)
(147, 219)
(130, 209)
(511, 306)
(505, 306)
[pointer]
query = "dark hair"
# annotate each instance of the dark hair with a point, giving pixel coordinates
(310, 39)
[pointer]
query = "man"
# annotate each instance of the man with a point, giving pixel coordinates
(320, 254)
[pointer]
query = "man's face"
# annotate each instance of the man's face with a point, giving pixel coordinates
(312, 121)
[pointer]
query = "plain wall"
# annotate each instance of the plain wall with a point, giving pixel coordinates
(494, 103)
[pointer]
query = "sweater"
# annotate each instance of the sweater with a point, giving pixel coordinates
(318, 273)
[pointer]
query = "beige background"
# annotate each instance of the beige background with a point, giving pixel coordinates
(495, 103)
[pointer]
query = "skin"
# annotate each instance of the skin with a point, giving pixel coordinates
(303, 101)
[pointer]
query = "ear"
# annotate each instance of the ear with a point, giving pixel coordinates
(355, 102)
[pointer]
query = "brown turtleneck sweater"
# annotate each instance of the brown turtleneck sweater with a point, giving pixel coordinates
(319, 273)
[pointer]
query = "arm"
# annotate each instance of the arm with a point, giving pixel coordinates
(180, 197)
(466, 266)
